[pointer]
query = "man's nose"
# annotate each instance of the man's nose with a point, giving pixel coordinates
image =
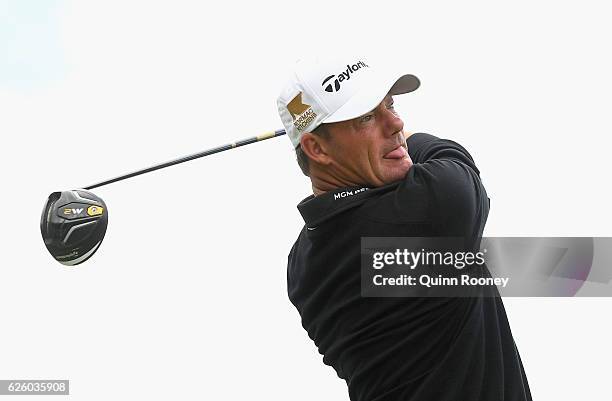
(394, 123)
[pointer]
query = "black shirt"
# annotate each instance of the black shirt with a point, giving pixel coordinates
(426, 349)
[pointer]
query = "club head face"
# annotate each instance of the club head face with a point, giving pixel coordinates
(73, 224)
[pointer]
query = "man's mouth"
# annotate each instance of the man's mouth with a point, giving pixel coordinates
(398, 153)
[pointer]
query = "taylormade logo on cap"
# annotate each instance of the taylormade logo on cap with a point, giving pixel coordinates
(341, 77)
(331, 90)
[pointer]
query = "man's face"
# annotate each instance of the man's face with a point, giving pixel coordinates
(370, 149)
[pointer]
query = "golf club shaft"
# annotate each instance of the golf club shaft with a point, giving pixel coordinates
(218, 149)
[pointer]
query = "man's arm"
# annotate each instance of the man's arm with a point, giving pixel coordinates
(424, 147)
(457, 199)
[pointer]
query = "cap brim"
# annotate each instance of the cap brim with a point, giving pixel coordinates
(372, 93)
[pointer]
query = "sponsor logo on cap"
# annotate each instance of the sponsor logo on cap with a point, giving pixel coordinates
(301, 112)
(334, 86)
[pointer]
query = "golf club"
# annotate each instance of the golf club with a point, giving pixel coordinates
(73, 223)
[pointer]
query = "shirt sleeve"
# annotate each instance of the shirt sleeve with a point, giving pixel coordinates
(447, 176)
(424, 147)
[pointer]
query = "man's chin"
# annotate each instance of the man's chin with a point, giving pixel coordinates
(397, 170)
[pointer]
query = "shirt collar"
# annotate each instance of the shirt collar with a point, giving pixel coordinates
(316, 209)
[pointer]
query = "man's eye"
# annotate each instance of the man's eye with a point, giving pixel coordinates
(366, 118)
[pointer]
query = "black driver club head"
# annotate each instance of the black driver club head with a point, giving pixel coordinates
(73, 224)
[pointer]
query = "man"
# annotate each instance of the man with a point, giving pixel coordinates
(370, 178)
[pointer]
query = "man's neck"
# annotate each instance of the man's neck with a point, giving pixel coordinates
(317, 191)
(321, 185)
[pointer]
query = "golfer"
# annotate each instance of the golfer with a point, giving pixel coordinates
(371, 178)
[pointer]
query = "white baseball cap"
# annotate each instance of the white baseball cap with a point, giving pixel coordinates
(331, 90)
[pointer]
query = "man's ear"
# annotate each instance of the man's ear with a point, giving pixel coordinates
(315, 147)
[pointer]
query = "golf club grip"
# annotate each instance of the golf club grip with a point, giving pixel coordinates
(262, 137)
